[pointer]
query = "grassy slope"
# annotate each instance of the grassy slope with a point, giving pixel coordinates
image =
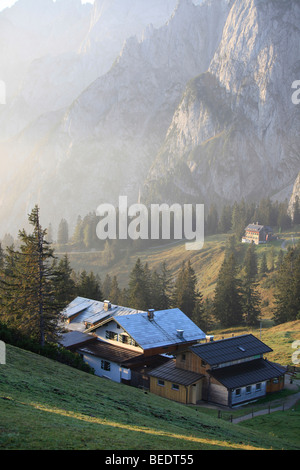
(46, 405)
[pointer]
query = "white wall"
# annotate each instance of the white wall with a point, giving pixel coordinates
(116, 372)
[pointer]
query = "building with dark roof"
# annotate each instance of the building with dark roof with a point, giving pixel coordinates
(258, 234)
(226, 372)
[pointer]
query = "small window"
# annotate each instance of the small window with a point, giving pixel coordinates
(175, 387)
(238, 392)
(105, 365)
(111, 335)
(248, 389)
(125, 339)
(203, 363)
(161, 383)
(183, 357)
(258, 387)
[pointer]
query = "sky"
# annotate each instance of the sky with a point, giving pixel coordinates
(9, 3)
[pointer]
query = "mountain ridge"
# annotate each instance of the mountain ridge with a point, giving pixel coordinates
(197, 109)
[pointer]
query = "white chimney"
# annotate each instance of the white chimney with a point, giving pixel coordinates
(180, 333)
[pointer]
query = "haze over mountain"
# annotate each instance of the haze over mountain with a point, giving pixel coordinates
(179, 101)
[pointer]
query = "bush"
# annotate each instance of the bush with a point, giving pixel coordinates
(51, 351)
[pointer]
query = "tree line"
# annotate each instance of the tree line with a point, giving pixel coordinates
(231, 218)
(35, 287)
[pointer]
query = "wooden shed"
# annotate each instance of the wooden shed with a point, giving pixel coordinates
(176, 384)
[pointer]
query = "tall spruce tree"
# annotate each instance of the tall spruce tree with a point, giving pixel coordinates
(115, 292)
(186, 295)
(228, 308)
(166, 286)
(28, 296)
(287, 296)
(63, 232)
(250, 295)
(89, 286)
(138, 288)
(65, 284)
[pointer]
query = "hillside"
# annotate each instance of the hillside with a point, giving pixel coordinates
(206, 262)
(46, 405)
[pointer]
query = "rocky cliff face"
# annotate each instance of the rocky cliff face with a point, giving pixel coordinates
(196, 104)
(102, 145)
(236, 131)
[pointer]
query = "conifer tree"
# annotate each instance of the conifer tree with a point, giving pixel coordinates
(138, 289)
(89, 286)
(250, 295)
(296, 212)
(106, 287)
(64, 284)
(28, 294)
(250, 262)
(227, 301)
(1, 257)
(156, 291)
(186, 297)
(115, 292)
(166, 286)
(263, 264)
(287, 296)
(63, 232)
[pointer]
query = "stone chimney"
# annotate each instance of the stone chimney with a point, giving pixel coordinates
(106, 305)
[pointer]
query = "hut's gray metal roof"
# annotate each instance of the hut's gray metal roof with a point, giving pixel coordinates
(230, 349)
(92, 311)
(162, 330)
(171, 373)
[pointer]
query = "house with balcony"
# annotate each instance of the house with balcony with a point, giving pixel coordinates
(125, 344)
(257, 234)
